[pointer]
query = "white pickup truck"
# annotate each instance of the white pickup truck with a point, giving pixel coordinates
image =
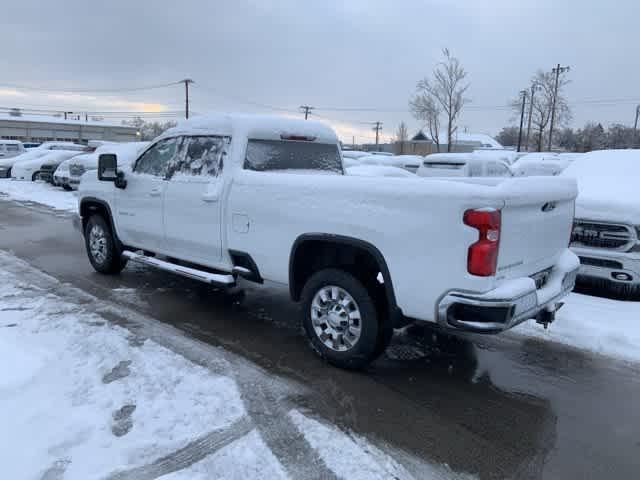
(266, 198)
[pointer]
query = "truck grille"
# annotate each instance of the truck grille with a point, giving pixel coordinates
(602, 235)
(76, 170)
(601, 262)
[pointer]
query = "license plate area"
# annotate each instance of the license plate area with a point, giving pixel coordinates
(541, 278)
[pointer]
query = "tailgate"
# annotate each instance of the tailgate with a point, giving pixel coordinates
(536, 229)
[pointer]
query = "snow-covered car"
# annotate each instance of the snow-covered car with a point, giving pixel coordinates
(266, 198)
(410, 163)
(378, 171)
(61, 175)
(6, 164)
(606, 232)
(355, 154)
(10, 148)
(463, 165)
(29, 145)
(533, 167)
(41, 167)
(88, 162)
(507, 156)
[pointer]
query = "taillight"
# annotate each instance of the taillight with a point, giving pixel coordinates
(482, 259)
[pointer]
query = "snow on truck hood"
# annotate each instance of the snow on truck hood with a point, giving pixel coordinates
(608, 185)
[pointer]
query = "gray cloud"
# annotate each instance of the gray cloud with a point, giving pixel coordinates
(328, 54)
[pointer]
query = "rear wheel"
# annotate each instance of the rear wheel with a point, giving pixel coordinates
(9, 173)
(35, 176)
(102, 251)
(341, 319)
(66, 187)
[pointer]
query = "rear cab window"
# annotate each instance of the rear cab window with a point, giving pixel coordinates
(292, 156)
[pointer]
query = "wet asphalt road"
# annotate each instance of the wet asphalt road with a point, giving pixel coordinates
(496, 407)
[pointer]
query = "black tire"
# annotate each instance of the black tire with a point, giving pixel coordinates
(111, 262)
(373, 338)
(9, 173)
(34, 177)
(67, 187)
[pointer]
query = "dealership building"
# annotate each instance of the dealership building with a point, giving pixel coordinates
(32, 128)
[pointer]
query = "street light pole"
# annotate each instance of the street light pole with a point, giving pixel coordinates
(557, 70)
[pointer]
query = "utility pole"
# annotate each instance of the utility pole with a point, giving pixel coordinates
(307, 110)
(377, 129)
(557, 70)
(186, 82)
(534, 87)
(635, 127)
(524, 101)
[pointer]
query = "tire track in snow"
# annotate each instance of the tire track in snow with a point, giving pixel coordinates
(191, 453)
(264, 397)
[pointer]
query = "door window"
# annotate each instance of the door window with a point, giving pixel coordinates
(199, 156)
(155, 161)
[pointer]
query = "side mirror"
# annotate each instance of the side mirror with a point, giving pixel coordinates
(108, 170)
(107, 167)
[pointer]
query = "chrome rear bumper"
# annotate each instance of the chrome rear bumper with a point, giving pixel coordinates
(512, 303)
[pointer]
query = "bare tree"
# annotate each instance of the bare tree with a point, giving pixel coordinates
(149, 130)
(444, 90)
(425, 109)
(543, 103)
(402, 135)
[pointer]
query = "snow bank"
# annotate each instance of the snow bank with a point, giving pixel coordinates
(599, 325)
(38, 192)
(608, 184)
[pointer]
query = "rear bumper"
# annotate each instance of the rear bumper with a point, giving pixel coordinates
(611, 266)
(513, 302)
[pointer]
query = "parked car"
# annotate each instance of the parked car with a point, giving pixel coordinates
(463, 165)
(61, 175)
(10, 148)
(606, 232)
(41, 167)
(354, 154)
(6, 164)
(535, 167)
(378, 171)
(410, 163)
(266, 198)
(81, 164)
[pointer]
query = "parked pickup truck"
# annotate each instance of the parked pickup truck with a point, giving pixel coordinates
(266, 198)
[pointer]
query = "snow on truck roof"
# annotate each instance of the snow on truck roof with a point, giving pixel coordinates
(264, 127)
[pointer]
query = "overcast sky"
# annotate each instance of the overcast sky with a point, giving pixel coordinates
(336, 55)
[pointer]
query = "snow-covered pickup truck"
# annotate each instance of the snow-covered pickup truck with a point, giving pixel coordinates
(266, 198)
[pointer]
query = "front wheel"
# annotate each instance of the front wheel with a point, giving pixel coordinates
(341, 319)
(103, 253)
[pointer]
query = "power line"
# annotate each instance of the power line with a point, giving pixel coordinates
(106, 90)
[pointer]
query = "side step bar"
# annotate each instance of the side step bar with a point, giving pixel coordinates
(206, 277)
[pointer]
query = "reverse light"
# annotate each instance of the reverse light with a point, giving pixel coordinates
(482, 258)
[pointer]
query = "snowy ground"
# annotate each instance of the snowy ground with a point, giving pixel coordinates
(600, 325)
(39, 192)
(90, 390)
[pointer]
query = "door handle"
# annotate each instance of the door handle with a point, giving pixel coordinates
(210, 197)
(155, 192)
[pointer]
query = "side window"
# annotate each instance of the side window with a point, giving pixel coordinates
(497, 169)
(199, 156)
(155, 160)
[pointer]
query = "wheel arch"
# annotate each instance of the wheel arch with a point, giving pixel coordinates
(300, 271)
(91, 205)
